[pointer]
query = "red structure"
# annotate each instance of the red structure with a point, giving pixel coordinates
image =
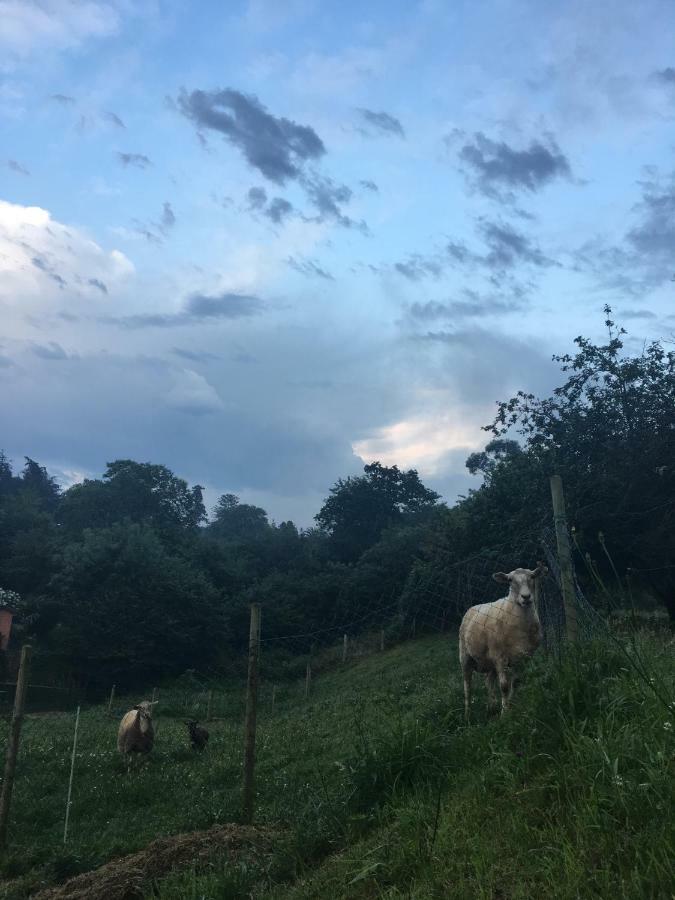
(6, 616)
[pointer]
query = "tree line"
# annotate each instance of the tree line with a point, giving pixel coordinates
(125, 579)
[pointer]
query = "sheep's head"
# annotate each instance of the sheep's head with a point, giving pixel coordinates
(145, 707)
(521, 583)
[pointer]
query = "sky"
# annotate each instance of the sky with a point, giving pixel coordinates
(266, 243)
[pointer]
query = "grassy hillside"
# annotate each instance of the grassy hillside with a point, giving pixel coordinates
(572, 795)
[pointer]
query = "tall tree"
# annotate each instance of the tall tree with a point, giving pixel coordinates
(360, 508)
(139, 492)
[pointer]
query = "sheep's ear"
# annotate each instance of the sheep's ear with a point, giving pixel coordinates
(501, 577)
(541, 569)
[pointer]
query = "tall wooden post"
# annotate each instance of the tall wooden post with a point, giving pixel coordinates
(251, 710)
(209, 701)
(13, 742)
(564, 557)
(344, 648)
(382, 639)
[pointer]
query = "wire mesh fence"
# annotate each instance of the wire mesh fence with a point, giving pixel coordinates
(292, 707)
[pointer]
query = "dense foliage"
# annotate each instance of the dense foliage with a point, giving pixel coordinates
(123, 578)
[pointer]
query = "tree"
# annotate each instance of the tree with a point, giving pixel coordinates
(39, 482)
(139, 492)
(233, 520)
(609, 430)
(130, 611)
(360, 508)
(496, 452)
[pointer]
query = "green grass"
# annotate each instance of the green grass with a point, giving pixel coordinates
(379, 787)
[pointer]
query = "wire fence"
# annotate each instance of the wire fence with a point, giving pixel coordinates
(436, 597)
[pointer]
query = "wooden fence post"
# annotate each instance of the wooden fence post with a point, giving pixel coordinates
(154, 694)
(274, 695)
(13, 742)
(209, 701)
(72, 772)
(112, 697)
(564, 557)
(344, 648)
(251, 710)
(382, 639)
(414, 625)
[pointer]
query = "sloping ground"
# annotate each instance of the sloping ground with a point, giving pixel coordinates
(129, 877)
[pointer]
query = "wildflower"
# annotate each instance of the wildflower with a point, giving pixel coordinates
(618, 781)
(668, 726)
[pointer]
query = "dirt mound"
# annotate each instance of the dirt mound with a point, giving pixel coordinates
(128, 877)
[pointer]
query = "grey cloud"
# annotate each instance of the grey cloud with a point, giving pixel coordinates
(63, 99)
(309, 268)
(638, 314)
(197, 308)
(382, 122)
(666, 75)
(139, 160)
(17, 167)
(326, 196)
(475, 305)
(369, 185)
(41, 263)
(114, 119)
(508, 247)
(277, 147)
(496, 169)
(257, 197)
(645, 259)
(52, 350)
(416, 267)
(95, 282)
(194, 355)
(142, 229)
(227, 306)
(168, 217)
(278, 210)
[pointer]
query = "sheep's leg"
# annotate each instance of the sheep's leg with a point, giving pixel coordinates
(468, 674)
(491, 682)
(505, 686)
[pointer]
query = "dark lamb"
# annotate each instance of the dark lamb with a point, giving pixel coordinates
(198, 735)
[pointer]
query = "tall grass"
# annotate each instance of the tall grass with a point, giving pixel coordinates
(571, 795)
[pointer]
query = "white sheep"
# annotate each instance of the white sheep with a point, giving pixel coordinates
(494, 636)
(136, 734)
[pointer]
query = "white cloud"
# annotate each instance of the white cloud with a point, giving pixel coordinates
(422, 442)
(40, 258)
(29, 25)
(192, 393)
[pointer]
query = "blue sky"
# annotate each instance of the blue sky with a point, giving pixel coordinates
(265, 243)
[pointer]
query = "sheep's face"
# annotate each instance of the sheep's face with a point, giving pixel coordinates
(521, 584)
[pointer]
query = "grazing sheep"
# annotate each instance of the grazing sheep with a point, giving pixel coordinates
(136, 734)
(198, 735)
(494, 636)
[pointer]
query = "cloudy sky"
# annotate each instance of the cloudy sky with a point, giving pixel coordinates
(264, 243)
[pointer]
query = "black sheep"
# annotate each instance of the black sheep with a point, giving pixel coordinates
(198, 735)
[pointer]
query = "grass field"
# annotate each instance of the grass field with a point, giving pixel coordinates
(378, 789)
